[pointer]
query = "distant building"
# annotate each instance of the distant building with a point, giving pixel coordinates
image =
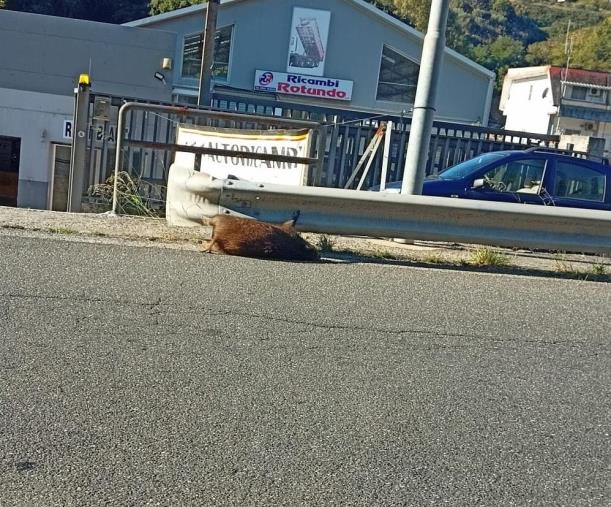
(555, 100)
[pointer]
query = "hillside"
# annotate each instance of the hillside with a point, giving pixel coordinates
(512, 33)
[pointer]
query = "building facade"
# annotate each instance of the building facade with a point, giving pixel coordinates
(340, 54)
(556, 100)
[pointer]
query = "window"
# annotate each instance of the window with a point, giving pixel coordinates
(398, 78)
(579, 182)
(465, 168)
(523, 176)
(578, 92)
(192, 54)
(187, 100)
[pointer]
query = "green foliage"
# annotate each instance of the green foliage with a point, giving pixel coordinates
(591, 49)
(553, 17)
(161, 6)
(504, 51)
(499, 34)
(414, 12)
(108, 11)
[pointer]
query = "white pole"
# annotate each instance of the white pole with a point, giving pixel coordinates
(424, 104)
(386, 156)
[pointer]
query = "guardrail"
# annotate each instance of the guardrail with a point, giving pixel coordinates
(193, 196)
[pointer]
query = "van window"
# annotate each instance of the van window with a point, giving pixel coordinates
(516, 176)
(577, 181)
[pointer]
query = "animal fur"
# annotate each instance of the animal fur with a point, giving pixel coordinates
(250, 238)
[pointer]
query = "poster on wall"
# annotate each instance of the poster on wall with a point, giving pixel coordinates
(308, 43)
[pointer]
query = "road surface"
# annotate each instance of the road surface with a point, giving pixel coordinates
(149, 376)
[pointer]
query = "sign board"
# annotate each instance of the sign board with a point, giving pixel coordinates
(67, 130)
(97, 133)
(294, 143)
(308, 42)
(306, 86)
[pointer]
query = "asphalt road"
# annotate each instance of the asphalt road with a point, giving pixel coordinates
(148, 376)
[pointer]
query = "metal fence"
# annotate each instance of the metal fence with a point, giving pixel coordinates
(346, 135)
(349, 132)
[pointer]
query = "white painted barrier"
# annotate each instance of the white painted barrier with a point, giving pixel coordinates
(193, 196)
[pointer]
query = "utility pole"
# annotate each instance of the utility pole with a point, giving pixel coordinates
(205, 74)
(424, 104)
(76, 180)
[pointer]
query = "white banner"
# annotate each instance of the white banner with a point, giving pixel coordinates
(293, 143)
(308, 44)
(307, 86)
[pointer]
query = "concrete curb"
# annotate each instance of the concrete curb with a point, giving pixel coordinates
(141, 231)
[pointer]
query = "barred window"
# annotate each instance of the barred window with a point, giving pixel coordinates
(398, 77)
(192, 54)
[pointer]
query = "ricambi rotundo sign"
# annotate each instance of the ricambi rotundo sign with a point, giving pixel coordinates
(298, 84)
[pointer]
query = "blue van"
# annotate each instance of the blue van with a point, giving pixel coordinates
(532, 176)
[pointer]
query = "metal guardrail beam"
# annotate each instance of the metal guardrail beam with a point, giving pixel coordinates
(193, 196)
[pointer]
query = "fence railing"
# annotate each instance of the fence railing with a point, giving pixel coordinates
(345, 137)
(348, 133)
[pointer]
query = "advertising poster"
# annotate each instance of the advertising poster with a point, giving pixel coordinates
(293, 143)
(308, 43)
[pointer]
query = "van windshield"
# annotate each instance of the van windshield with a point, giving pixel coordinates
(465, 168)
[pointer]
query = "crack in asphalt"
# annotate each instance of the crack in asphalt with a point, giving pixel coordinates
(155, 307)
(176, 309)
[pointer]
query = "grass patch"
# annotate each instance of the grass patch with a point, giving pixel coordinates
(599, 269)
(131, 195)
(325, 243)
(62, 230)
(562, 265)
(435, 258)
(596, 271)
(485, 256)
(384, 254)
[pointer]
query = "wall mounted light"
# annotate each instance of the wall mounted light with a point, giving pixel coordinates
(166, 64)
(160, 77)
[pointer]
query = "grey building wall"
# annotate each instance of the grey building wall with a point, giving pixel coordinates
(36, 119)
(40, 60)
(46, 54)
(356, 38)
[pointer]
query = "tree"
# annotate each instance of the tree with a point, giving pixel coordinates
(414, 12)
(108, 11)
(161, 6)
(591, 49)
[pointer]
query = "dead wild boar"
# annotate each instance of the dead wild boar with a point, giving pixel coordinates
(251, 238)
